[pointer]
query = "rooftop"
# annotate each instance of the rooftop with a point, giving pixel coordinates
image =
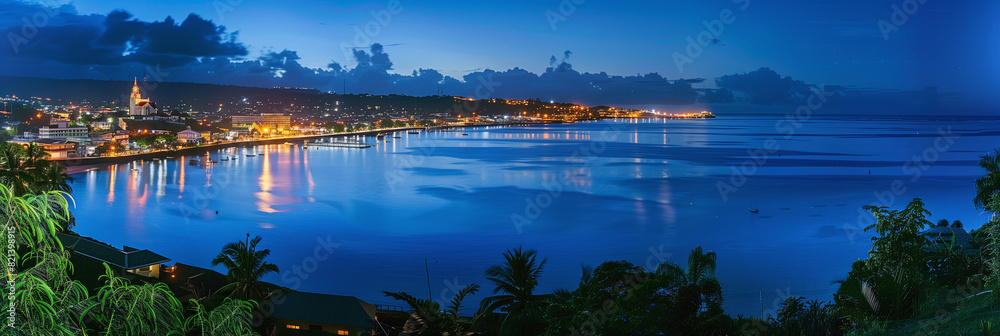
(128, 258)
(339, 310)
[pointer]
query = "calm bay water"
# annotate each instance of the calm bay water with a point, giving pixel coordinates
(636, 190)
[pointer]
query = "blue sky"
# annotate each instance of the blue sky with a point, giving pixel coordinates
(945, 44)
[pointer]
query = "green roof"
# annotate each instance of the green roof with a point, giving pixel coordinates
(131, 259)
(339, 310)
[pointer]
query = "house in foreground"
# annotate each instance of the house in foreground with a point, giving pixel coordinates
(132, 260)
(948, 235)
(300, 313)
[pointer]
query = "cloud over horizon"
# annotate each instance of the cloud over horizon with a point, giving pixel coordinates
(61, 43)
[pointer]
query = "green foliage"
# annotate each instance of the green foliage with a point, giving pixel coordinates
(427, 318)
(231, 318)
(991, 250)
(899, 248)
(47, 301)
(887, 286)
(109, 147)
(988, 184)
(949, 264)
(246, 267)
(126, 309)
(800, 317)
(154, 140)
(619, 298)
(386, 123)
(26, 170)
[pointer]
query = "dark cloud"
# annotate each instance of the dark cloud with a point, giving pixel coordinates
(764, 86)
(117, 46)
(60, 35)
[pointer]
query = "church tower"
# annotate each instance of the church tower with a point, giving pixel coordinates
(137, 105)
(133, 101)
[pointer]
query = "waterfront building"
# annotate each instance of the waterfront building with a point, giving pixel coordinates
(265, 122)
(188, 136)
(57, 148)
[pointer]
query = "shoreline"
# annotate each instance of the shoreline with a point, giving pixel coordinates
(84, 164)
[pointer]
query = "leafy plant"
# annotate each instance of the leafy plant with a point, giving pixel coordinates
(122, 308)
(232, 318)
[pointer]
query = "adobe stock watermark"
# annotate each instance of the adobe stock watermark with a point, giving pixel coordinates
(225, 6)
(11, 274)
(565, 9)
(956, 296)
(787, 126)
(403, 170)
(584, 156)
(915, 169)
(900, 16)
(710, 36)
(30, 27)
(364, 35)
(294, 276)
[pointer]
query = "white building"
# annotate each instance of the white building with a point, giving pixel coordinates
(61, 130)
(188, 135)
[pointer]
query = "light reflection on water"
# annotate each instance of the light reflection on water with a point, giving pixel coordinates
(450, 199)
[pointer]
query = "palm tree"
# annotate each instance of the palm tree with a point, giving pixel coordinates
(427, 318)
(246, 267)
(515, 282)
(26, 170)
(697, 293)
(988, 184)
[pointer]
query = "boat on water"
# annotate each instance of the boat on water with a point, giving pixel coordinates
(340, 144)
(156, 159)
(388, 141)
(289, 144)
(397, 137)
(752, 210)
(170, 157)
(380, 135)
(413, 132)
(193, 162)
(464, 134)
(251, 155)
(224, 159)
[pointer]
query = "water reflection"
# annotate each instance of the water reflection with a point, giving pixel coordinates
(653, 185)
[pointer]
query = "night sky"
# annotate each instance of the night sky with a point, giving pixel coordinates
(427, 45)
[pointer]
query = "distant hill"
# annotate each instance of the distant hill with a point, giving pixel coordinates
(227, 100)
